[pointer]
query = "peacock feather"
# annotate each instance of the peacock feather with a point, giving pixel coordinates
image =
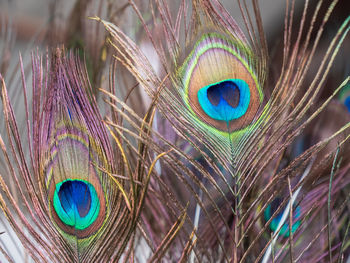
(74, 209)
(70, 156)
(226, 95)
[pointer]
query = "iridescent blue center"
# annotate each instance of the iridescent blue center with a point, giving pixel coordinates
(225, 100)
(76, 203)
(271, 209)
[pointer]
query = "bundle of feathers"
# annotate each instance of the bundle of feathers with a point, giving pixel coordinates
(173, 131)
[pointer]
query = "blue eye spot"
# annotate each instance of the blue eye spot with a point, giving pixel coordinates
(225, 100)
(76, 203)
(272, 208)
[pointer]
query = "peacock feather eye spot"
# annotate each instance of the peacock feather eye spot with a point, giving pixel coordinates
(220, 84)
(272, 208)
(76, 203)
(226, 100)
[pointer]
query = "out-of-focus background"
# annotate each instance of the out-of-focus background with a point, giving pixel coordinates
(29, 17)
